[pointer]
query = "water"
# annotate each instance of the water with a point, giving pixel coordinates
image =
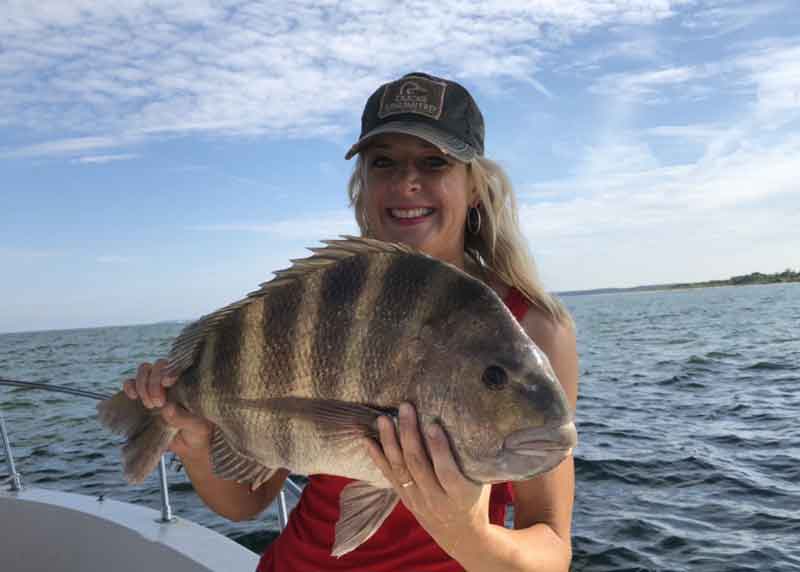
(689, 455)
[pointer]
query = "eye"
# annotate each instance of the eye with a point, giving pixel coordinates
(435, 162)
(495, 377)
(381, 162)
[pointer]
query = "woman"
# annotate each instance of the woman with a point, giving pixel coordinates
(420, 179)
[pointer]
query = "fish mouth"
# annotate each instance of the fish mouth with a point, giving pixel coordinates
(527, 453)
(542, 441)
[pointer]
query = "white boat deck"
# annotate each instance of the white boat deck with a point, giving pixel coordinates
(56, 531)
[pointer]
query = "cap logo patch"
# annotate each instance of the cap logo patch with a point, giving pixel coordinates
(413, 95)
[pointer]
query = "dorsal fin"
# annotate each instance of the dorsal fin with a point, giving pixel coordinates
(186, 347)
(333, 252)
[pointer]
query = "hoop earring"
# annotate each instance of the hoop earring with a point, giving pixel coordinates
(474, 220)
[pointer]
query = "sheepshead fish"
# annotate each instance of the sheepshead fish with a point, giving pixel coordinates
(297, 373)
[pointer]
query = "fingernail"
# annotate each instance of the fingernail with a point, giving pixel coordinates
(432, 431)
(405, 410)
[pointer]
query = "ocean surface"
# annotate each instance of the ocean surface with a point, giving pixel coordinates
(689, 421)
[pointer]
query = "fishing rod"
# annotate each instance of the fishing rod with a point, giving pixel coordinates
(53, 388)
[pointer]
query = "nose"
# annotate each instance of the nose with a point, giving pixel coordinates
(407, 176)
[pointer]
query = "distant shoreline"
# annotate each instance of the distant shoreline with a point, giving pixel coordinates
(785, 277)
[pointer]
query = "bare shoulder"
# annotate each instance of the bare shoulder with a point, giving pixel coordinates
(557, 340)
(547, 332)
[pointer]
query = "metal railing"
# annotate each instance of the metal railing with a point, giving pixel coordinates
(15, 479)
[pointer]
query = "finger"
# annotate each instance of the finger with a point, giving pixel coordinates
(445, 467)
(129, 387)
(376, 454)
(155, 389)
(414, 453)
(142, 375)
(389, 442)
(398, 472)
(167, 380)
(180, 418)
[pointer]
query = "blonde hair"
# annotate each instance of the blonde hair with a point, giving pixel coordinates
(499, 248)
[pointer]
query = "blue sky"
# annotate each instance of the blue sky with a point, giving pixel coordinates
(159, 159)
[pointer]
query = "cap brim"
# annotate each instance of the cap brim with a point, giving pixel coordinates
(449, 144)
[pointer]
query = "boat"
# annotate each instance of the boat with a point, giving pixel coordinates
(57, 531)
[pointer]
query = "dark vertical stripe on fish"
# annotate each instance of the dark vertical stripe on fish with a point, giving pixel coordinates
(283, 308)
(341, 286)
(459, 292)
(226, 353)
(405, 286)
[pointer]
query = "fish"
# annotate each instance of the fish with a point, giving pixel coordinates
(296, 374)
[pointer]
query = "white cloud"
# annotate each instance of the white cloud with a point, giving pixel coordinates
(696, 131)
(626, 218)
(297, 69)
(630, 215)
(717, 18)
(102, 159)
(774, 71)
(648, 86)
(65, 147)
(307, 228)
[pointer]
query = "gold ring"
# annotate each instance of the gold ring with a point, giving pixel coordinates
(408, 484)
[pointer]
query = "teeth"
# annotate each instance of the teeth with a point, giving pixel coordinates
(410, 213)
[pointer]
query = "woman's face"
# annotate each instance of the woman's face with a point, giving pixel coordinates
(416, 195)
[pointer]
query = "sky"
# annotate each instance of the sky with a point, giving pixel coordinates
(161, 158)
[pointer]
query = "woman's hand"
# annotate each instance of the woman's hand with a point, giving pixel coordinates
(450, 507)
(150, 385)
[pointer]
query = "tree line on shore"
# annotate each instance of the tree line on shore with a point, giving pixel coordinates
(788, 275)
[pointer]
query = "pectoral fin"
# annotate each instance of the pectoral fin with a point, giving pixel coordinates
(235, 465)
(363, 508)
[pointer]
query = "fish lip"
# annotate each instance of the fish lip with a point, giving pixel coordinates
(538, 441)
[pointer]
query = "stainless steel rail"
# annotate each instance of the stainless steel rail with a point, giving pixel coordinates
(16, 482)
(166, 509)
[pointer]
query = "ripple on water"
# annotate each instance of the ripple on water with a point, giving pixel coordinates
(769, 365)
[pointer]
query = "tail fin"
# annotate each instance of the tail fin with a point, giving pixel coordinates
(147, 433)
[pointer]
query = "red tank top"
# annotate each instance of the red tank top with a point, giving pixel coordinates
(399, 545)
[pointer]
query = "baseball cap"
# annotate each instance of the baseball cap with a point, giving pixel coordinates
(440, 111)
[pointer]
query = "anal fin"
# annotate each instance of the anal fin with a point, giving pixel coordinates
(235, 465)
(363, 508)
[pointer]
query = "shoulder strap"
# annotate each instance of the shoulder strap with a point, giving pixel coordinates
(517, 303)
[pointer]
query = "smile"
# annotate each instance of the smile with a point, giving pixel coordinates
(410, 213)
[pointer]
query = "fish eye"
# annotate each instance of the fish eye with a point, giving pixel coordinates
(495, 377)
